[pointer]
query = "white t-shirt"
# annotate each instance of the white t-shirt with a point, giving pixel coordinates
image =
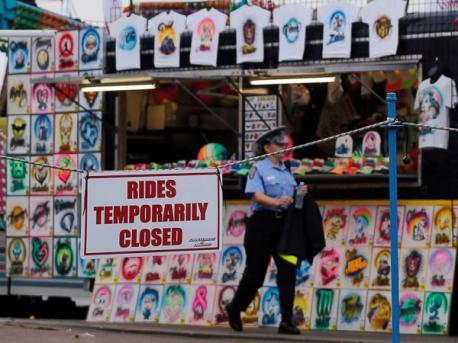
(434, 101)
(292, 21)
(383, 19)
(206, 27)
(249, 22)
(167, 29)
(337, 19)
(127, 31)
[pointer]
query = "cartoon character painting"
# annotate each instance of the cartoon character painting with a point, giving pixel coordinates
(206, 31)
(328, 268)
(224, 295)
(381, 268)
(155, 269)
(173, 306)
(270, 307)
(205, 266)
(411, 306)
(378, 311)
(101, 303)
(236, 226)
(249, 36)
(232, 260)
(413, 262)
(351, 310)
(337, 23)
(335, 225)
(441, 269)
(442, 229)
(361, 226)
(417, 227)
(148, 304)
(131, 268)
(125, 300)
(167, 38)
(436, 313)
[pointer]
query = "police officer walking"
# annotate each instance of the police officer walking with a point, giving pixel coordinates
(271, 187)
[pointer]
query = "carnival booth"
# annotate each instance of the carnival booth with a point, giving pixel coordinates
(217, 80)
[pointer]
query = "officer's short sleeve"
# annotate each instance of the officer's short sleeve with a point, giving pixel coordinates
(254, 182)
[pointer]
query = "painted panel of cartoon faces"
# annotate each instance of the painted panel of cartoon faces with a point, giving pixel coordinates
(347, 287)
(48, 126)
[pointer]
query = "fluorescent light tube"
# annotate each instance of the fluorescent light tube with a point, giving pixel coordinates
(114, 87)
(265, 82)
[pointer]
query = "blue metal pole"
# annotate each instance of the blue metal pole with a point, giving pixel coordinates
(393, 176)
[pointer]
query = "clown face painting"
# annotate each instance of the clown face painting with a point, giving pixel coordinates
(100, 308)
(124, 303)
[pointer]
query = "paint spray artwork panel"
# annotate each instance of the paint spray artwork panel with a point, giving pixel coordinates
(67, 95)
(67, 52)
(200, 307)
(65, 255)
(41, 216)
(380, 277)
(440, 269)
(18, 134)
(174, 302)
(19, 52)
(179, 269)
(65, 181)
(205, 269)
(87, 267)
(102, 299)
(411, 307)
(305, 273)
(455, 227)
(335, 223)
(148, 304)
(17, 262)
(90, 161)
(91, 48)
(155, 269)
(412, 269)
(42, 141)
(66, 132)
(271, 275)
(108, 270)
(17, 179)
(361, 226)
(436, 313)
(224, 295)
(41, 177)
(324, 309)
(66, 216)
(302, 308)
(235, 223)
(352, 309)
(231, 264)
(41, 256)
(42, 96)
(417, 226)
(378, 311)
(329, 267)
(250, 317)
(356, 267)
(18, 98)
(442, 234)
(90, 131)
(43, 54)
(17, 216)
(131, 269)
(91, 100)
(124, 303)
(270, 314)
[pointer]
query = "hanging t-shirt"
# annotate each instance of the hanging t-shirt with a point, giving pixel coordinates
(434, 101)
(167, 29)
(127, 31)
(337, 19)
(206, 27)
(292, 21)
(383, 19)
(249, 22)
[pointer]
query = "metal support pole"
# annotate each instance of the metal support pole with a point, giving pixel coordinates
(392, 131)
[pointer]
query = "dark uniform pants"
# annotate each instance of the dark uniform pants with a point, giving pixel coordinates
(261, 239)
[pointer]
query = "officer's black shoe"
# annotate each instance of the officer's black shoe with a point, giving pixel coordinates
(235, 321)
(288, 329)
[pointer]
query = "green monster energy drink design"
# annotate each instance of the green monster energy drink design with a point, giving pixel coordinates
(435, 305)
(325, 298)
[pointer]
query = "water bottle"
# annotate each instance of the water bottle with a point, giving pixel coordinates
(299, 196)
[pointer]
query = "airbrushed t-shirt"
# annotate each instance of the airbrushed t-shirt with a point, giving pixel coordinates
(337, 19)
(434, 100)
(167, 29)
(383, 19)
(292, 21)
(127, 31)
(249, 22)
(206, 27)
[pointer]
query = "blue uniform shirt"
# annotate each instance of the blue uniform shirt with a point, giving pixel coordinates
(274, 181)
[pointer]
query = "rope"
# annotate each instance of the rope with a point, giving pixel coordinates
(41, 164)
(430, 126)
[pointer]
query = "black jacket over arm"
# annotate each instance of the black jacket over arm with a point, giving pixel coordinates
(302, 234)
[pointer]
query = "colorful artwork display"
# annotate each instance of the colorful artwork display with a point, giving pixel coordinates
(17, 263)
(305, 273)
(231, 265)
(108, 271)
(352, 309)
(412, 271)
(302, 308)
(148, 304)
(41, 177)
(382, 236)
(19, 52)
(442, 233)
(41, 257)
(42, 134)
(67, 50)
(18, 96)
(335, 223)
(174, 302)
(329, 267)
(66, 215)
(411, 307)
(361, 226)
(131, 269)
(91, 49)
(356, 267)
(440, 269)
(436, 313)
(270, 314)
(42, 97)
(17, 216)
(250, 317)
(90, 131)
(41, 216)
(101, 303)
(18, 134)
(43, 54)
(66, 128)
(417, 226)
(205, 269)
(200, 307)
(224, 295)
(378, 311)
(324, 309)
(65, 181)
(155, 269)
(235, 223)
(180, 268)
(124, 304)
(65, 257)
(381, 269)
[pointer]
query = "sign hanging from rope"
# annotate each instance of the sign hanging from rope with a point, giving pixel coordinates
(132, 213)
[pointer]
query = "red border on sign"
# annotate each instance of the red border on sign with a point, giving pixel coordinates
(154, 250)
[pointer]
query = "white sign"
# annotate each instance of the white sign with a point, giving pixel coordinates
(132, 213)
